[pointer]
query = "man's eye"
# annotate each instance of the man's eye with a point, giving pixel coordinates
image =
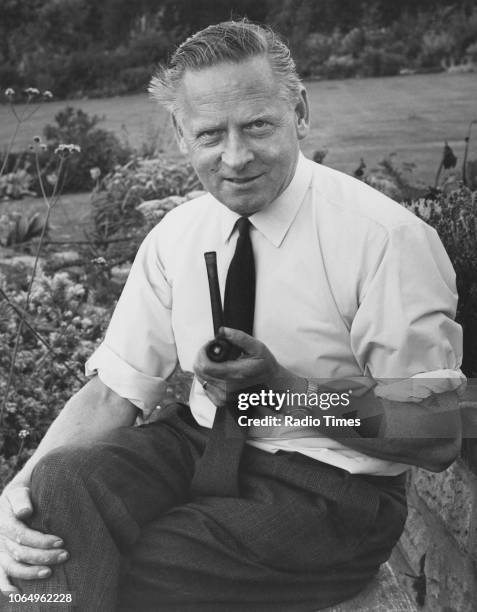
(259, 126)
(209, 135)
(259, 123)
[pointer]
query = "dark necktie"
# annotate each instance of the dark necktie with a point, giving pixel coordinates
(217, 470)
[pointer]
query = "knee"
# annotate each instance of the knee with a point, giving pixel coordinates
(61, 470)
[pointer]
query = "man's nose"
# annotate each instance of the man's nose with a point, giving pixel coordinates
(236, 154)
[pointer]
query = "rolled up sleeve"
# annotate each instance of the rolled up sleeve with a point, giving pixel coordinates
(138, 352)
(405, 325)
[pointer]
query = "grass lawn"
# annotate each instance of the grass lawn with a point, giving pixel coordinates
(353, 118)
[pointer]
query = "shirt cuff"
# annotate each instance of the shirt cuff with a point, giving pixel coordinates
(420, 386)
(140, 389)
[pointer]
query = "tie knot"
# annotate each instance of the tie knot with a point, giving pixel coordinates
(243, 225)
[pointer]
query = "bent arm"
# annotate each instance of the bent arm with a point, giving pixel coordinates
(425, 434)
(93, 411)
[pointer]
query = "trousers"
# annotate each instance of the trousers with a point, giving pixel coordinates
(302, 536)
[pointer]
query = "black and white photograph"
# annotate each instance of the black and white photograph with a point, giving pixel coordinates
(238, 306)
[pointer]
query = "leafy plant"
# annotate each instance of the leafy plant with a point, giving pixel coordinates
(23, 228)
(395, 178)
(453, 215)
(119, 194)
(99, 148)
(15, 185)
(61, 329)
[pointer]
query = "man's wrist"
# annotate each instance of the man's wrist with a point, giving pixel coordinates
(285, 380)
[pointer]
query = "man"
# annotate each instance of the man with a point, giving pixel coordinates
(351, 290)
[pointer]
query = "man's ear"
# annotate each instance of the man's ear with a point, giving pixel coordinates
(179, 133)
(302, 111)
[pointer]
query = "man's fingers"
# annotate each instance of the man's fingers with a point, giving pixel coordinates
(20, 502)
(14, 569)
(35, 556)
(21, 534)
(247, 343)
(5, 585)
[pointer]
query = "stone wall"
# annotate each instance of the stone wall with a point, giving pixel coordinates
(442, 524)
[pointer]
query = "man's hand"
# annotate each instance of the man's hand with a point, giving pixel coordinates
(24, 553)
(256, 366)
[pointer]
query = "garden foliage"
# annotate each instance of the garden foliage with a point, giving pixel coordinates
(118, 195)
(100, 148)
(78, 47)
(63, 313)
(453, 214)
(100, 151)
(70, 305)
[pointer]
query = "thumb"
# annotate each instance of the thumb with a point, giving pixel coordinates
(20, 501)
(239, 338)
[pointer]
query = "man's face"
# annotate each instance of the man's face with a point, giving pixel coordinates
(241, 135)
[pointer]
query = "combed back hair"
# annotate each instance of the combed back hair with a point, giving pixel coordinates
(229, 41)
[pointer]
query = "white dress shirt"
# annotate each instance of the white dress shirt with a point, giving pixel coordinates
(349, 284)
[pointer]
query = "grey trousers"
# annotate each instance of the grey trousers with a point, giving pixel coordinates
(302, 535)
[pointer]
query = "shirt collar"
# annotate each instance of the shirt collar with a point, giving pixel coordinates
(275, 220)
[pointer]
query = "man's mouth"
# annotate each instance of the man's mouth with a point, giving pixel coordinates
(242, 180)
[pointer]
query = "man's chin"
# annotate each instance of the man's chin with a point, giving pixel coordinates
(243, 206)
(241, 203)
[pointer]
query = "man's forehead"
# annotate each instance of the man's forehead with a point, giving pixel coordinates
(251, 73)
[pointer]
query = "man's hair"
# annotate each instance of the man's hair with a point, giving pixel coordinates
(229, 41)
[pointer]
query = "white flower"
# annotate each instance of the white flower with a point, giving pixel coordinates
(99, 261)
(47, 94)
(65, 149)
(32, 91)
(95, 173)
(9, 92)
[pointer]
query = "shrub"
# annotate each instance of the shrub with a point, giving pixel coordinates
(99, 148)
(435, 48)
(377, 62)
(340, 67)
(66, 317)
(353, 42)
(119, 194)
(21, 228)
(16, 184)
(454, 217)
(135, 79)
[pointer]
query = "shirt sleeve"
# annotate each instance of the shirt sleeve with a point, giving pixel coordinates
(404, 326)
(138, 352)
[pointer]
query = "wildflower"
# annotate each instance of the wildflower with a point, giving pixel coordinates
(37, 139)
(52, 178)
(9, 92)
(63, 150)
(43, 146)
(47, 94)
(95, 173)
(23, 433)
(32, 91)
(99, 261)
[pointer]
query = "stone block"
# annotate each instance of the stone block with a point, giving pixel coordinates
(383, 594)
(452, 496)
(450, 573)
